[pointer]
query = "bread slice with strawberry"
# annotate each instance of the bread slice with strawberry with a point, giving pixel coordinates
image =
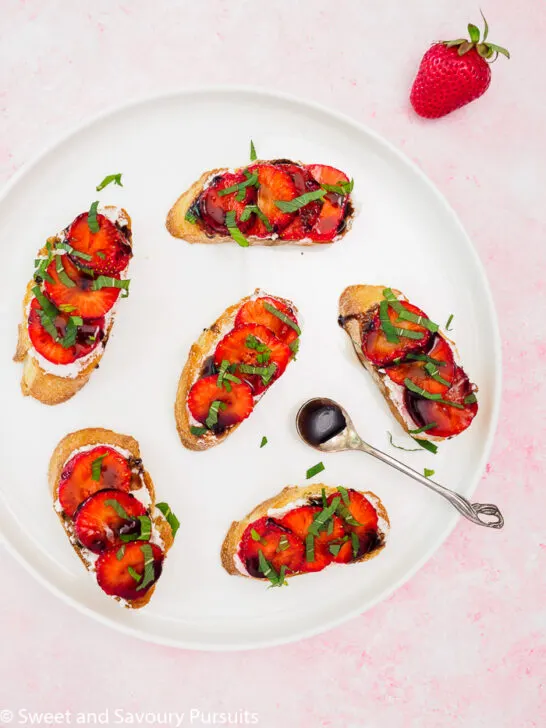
(274, 202)
(68, 308)
(414, 364)
(231, 366)
(106, 502)
(305, 529)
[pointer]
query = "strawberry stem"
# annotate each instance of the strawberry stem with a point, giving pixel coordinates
(485, 49)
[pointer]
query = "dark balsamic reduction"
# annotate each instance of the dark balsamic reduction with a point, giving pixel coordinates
(208, 368)
(319, 421)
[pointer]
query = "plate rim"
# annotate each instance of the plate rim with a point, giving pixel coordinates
(272, 95)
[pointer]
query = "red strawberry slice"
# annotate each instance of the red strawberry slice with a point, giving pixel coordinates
(299, 521)
(109, 250)
(332, 214)
(365, 536)
(382, 352)
(213, 206)
(307, 216)
(279, 546)
(448, 420)
(275, 184)
(440, 351)
(255, 312)
(88, 336)
(238, 402)
(244, 346)
(80, 299)
(77, 482)
(122, 572)
(99, 526)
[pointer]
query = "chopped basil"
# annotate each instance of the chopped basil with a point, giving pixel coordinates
(263, 443)
(69, 249)
(63, 276)
(294, 347)
(298, 202)
(255, 535)
(334, 549)
(322, 518)
(119, 509)
(71, 332)
(198, 431)
(96, 469)
(356, 544)
(428, 473)
(324, 498)
(49, 325)
(399, 447)
(120, 553)
(266, 373)
(343, 188)
(100, 254)
(448, 324)
(284, 543)
(405, 315)
(283, 317)
(264, 353)
(470, 399)
(318, 468)
(428, 359)
(212, 418)
(234, 231)
(344, 495)
(428, 395)
(134, 574)
(66, 308)
(190, 217)
(433, 371)
(149, 571)
(427, 445)
(424, 428)
(251, 181)
(115, 178)
(269, 572)
(386, 324)
(144, 532)
(108, 282)
(253, 155)
(49, 308)
(92, 221)
(309, 548)
(225, 376)
(345, 514)
(170, 517)
(249, 209)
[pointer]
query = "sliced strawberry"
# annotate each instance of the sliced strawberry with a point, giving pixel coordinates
(109, 250)
(255, 312)
(382, 352)
(213, 206)
(440, 351)
(80, 299)
(275, 184)
(360, 511)
(122, 572)
(279, 546)
(99, 525)
(307, 216)
(88, 336)
(244, 346)
(238, 402)
(332, 214)
(299, 520)
(77, 482)
(449, 420)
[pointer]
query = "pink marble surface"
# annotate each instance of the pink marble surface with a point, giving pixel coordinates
(463, 644)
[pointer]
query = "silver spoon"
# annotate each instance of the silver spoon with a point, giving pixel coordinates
(326, 426)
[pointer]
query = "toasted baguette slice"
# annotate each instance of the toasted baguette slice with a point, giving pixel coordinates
(180, 227)
(288, 496)
(204, 347)
(66, 448)
(357, 305)
(55, 387)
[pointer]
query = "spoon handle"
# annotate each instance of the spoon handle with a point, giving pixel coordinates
(484, 514)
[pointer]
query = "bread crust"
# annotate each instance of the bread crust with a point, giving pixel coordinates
(100, 436)
(288, 495)
(44, 386)
(190, 373)
(179, 227)
(357, 305)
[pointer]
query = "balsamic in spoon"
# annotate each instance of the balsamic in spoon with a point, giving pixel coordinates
(326, 426)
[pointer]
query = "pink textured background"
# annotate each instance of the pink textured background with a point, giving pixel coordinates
(463, 644)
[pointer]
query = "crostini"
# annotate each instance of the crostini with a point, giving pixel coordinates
(232, 365)
(305, 529)
(266, 203)
(412, 362)
(68, 308)
(106, 502)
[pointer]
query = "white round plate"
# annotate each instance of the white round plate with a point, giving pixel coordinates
(404, 235)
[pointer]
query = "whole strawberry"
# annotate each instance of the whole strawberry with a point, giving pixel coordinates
(454, 73)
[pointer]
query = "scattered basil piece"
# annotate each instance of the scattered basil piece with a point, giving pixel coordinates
(269, 572)
(136, 576)
(119, 509)
(120, 553)
(470, 398)
(255, 535)
(69, 249)
(108, 282)
(198, 431)
(253, 155)
(428, 359)
(249, 209)
(355, 543)
(428, 473)
(170, 517)
(424, 428)
(298, 202)
(92, 221)
(427, 445)
(61, 272)
(322, 518)
(96, 469)
(399, 447)
(343, 188)
(144, 532)
(318, 468)
(324, 498)
(250, 181)
(386, 324)
(283, 317)
(266, 373)
(190, 217)
(263, 442)
(294, 347)
(149, 571)
(234, 231)
(448, 324)
(284, 543)
(225, 376)
(334, 549)
(212, 418)
(100, 254)
(115, 178)
(344, 495)
(428, 395)
(433, 371)
(309, 548)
